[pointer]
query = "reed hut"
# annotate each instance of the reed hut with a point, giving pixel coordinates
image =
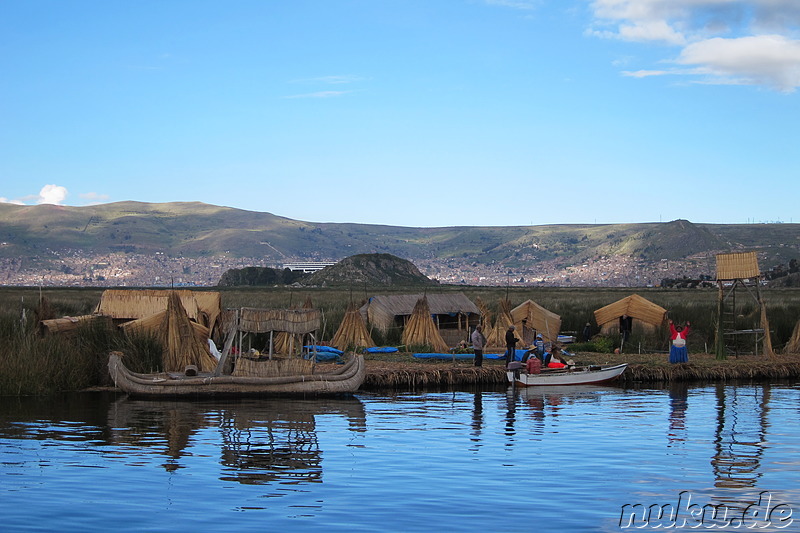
(497, 335)
(352, 332)
(420, 329)
(123, 305)
(545, 322)
(644, 313)
(454, 314)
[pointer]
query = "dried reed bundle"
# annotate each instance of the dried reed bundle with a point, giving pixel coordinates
(420, 329)
(497, 335)
(486, 314)
(182, 345)
(793, 346)
(768, 351)
(352, 332)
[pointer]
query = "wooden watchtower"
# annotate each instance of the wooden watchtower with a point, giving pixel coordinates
(738, 275)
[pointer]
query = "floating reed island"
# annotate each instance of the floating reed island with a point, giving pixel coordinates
(403, 372)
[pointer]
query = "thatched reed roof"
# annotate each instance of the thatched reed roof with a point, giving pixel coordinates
(737, 266)
(420, 329)
(380, 311)
(352, 332)
(69, 324)
(543, 321)
(497, 335)
(635, 307)
(252, 320)
(128, 304)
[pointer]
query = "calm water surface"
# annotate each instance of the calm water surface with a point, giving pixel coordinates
(577, 459)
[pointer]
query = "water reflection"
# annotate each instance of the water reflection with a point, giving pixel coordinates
(739, 436)
(678, 403)
(259, 441)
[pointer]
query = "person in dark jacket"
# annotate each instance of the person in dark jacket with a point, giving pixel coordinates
(511, 344)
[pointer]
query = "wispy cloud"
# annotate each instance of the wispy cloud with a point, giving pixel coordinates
(5, 200)
(341, 79)
(644, 73)
(319, 94)
(332, 80)
(516, 4)
(94, 198)
(746, 42)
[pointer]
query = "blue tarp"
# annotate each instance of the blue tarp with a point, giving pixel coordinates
(381, 349)
(517, 356)
(329, 349)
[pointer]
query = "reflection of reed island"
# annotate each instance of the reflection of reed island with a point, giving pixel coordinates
(270, 447)
(263, 441)
(145, 424)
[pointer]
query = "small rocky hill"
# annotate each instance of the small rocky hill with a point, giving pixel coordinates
(370, 269)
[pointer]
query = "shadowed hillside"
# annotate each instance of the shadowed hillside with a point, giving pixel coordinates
(370, 269)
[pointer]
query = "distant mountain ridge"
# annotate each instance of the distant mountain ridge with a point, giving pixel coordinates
(194, 229)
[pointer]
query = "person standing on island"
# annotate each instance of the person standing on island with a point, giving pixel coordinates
(587, 332)
(478, 342)
(511, 344)
(677, 349)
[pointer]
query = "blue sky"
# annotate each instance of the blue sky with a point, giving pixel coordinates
(408, 112)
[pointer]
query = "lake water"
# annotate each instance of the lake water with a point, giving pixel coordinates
(578, 459)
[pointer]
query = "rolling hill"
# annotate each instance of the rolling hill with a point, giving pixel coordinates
(38, 235)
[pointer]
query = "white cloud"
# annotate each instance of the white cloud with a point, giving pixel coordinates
(752, 42)
(771, 60)
(52, 194)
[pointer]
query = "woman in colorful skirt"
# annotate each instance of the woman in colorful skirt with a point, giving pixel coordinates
(677, 348)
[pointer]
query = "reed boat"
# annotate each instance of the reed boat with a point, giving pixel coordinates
(579, 375)
(344, 378)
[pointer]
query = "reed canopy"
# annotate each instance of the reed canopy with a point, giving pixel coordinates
(641, 310)
(742, 265)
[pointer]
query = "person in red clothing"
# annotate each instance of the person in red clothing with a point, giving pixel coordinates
(677, 349)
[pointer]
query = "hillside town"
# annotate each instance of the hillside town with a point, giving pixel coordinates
(79, 269)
